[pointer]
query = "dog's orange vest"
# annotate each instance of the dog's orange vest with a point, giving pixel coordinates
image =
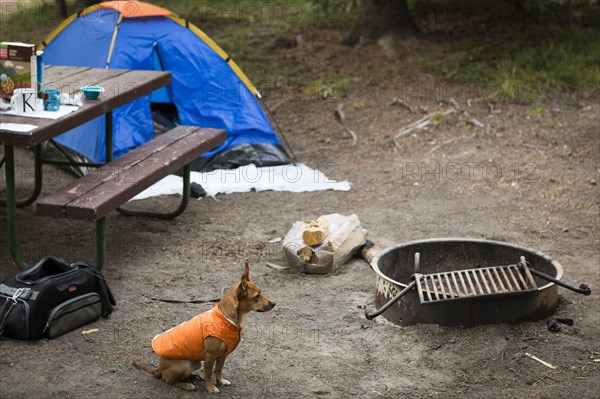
(186, 341)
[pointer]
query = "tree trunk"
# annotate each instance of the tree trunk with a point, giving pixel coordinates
(379, 18)
(62, 8)
(88, 3)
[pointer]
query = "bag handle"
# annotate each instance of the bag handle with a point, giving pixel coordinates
(60, 264)
(108, 300)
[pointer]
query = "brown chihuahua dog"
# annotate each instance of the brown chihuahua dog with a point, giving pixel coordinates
(208, 337)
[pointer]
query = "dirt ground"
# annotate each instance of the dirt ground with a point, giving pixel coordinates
(528, 176)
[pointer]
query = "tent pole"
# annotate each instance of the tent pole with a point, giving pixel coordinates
(162, 67)
(113, 41)
(278, 128)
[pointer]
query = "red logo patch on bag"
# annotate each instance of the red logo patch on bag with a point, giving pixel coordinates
(72, 289)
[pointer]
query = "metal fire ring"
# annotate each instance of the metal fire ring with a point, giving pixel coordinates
(375, 261)
(402, 302)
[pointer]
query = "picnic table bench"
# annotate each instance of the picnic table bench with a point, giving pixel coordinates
(95, 195)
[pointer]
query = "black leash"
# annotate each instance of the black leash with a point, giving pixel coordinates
(178, 300)
(154, 298)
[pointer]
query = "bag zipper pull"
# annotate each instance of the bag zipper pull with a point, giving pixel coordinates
(13, 299)
(19, 293)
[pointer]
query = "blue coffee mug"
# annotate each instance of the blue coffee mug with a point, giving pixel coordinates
(51, 99)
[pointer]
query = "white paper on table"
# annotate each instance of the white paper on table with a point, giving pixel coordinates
(17, 127)
(64, 110)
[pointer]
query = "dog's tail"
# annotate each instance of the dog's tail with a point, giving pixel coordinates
(146, 368)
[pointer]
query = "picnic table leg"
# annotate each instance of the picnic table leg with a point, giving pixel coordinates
(109, 137)
(100, 243)
(37, 188)
(11, 207)
(165, 216)
(101, 223)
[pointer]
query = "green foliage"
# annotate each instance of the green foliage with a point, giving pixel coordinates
(335, 6)
(335, 88)
(461, 70)
(565, 59)
(551, 58)
(262, 12)
(437, 117)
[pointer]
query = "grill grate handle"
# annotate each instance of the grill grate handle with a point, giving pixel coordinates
(372, 315)
(583, 288)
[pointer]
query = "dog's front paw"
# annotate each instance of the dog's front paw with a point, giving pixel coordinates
(223, 381)
(211, 388)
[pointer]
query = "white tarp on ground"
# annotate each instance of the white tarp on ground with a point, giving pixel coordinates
(293, 178)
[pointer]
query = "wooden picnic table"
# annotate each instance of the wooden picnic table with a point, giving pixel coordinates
(122, 87)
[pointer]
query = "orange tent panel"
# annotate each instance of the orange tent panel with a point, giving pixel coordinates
(135, 9)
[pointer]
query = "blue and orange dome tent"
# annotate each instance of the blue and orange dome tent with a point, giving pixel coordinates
(208, 88)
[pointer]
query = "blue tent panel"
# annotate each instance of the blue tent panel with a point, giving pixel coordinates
(160, 96)
(204, 89)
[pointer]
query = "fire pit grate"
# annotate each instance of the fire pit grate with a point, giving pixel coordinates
(471, 283)
(463, 281)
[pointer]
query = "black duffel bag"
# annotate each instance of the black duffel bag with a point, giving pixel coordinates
(52, 298)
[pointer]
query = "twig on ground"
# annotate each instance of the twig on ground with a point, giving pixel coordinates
(450, 101)
(397, 101)
(276, 266)
(533, 147)
(340, 117)
(278, 104)
(421, 123)
(474, 122)
(352, 134)
(437, 147)
(537, 359)
(469, 101)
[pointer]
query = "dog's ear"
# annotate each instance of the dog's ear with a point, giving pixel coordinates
(246, 274)
(244, 281)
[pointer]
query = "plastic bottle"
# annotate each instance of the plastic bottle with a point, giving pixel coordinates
(40, 72)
